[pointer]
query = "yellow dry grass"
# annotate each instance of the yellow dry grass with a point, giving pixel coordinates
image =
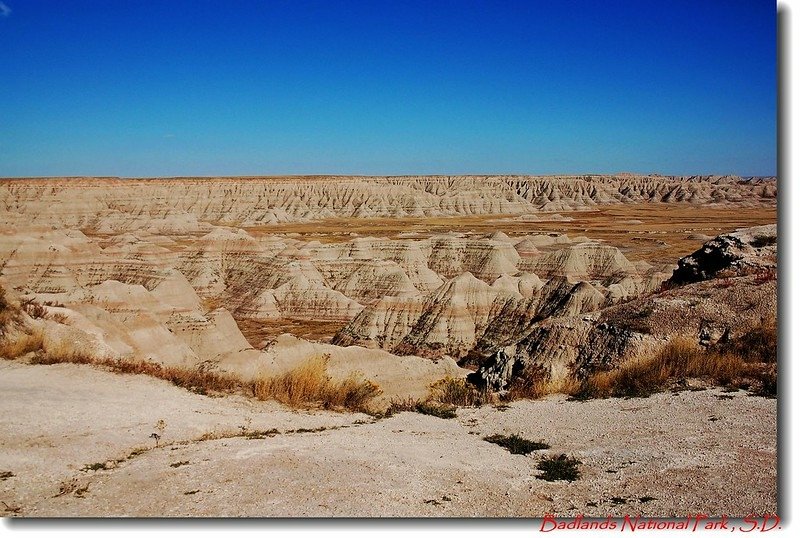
(309, 383)
(18, 342)
(680, 358)
(459, 392)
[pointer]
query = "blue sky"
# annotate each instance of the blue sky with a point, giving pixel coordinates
(155, 88)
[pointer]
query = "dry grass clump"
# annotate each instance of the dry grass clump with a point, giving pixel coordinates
(16, 339)
(561, 467)
(307, 384)
(310, 383)
(535, 387)
(758, 344)
(445, 396)
(637, 377)
(459, 392)
(516, 444)
(195, 380)
(423, 407)
(58, 351)
(743, 361)
(435, 409)
(20, 341)
(680, 358)
(8, 312)
(767, 381)
(34, 309)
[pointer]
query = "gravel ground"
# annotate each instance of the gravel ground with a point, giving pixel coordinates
(667, 455)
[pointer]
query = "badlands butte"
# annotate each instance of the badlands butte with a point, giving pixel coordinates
(513, 304)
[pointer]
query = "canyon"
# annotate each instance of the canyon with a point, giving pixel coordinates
(400, 281)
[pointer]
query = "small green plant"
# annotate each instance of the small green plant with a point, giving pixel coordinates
(516, 444)
(561, 467)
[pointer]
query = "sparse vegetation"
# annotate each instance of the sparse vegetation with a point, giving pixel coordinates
(310, 383)
(309, 430)
(744, 361)
(70, 486)
(764, 241)
(3, 301)
(537, 385)
(18, 342)
(561, 467)
(767, 275)
(426, 407)
(262, 434)
(94, 466)
(445, 397)
(398, 406)
(459, 392)
(436, 410)
(767, 381)
(758, 343)
(516, 444)
(34, 309)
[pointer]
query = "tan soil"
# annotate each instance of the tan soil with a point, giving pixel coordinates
(704, 451)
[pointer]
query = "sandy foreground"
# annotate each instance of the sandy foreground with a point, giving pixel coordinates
(670, 454)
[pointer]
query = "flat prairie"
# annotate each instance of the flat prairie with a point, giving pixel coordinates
(657, 233)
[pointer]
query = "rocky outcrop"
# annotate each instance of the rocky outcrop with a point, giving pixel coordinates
(466, 316)
(169, 270)
(743, 251)
(586, 261)
(732, 287)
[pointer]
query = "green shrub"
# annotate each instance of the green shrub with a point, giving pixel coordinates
(560, 467)
(516, 444)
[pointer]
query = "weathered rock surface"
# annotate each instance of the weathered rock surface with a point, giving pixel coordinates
(751, 250)
(164, 270)
(112, 205)
(705, 309)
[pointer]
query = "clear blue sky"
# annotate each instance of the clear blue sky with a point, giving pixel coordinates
(153, 88)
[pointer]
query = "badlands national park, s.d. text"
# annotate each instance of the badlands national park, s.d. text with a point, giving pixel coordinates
(391, 259)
